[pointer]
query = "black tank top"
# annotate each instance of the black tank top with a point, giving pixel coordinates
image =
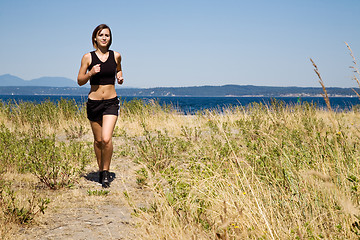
(107, 72)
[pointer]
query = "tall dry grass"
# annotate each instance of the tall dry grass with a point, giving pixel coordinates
(354, 68)
(261, 172)
(256, 172)
(324, 94)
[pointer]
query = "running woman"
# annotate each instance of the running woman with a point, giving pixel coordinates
(102, 67)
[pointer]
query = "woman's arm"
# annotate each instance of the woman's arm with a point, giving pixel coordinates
(84, 75)
(119, 75)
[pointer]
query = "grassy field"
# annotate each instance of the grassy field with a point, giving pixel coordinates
(255, 172)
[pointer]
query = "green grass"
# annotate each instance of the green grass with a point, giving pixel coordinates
(29, 145)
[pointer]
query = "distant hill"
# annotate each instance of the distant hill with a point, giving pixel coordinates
(10, 80)
(12, 85)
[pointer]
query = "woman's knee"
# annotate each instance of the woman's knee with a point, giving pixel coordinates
(106, 141)
(98, 143)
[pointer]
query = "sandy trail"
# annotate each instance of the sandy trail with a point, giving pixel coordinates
(73, 214)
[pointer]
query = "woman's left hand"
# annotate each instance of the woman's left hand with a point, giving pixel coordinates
(119, 78)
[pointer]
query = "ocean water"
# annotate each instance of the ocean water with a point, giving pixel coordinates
(190, 105)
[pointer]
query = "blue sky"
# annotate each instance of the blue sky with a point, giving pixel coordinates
(187, 42)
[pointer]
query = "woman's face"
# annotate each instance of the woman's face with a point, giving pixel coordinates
(103, 38)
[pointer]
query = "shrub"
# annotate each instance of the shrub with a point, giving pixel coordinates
(15, 211)
(56, 164)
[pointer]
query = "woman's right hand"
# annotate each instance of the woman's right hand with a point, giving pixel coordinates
(95, 69)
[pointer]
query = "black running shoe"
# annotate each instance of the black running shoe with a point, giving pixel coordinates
(106, 179)
(100, 176)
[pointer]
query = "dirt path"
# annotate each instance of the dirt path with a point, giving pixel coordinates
(74, 214)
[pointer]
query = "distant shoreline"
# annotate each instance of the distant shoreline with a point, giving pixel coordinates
(187, 96)
(201, 91)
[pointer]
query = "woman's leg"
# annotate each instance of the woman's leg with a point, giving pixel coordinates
(108, 125)
(97, 131)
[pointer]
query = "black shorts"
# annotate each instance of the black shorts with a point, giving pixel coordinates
(97, 108)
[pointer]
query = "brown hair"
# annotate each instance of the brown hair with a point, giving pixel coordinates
(97, 30)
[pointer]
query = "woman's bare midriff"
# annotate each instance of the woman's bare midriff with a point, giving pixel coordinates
(102, 92)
